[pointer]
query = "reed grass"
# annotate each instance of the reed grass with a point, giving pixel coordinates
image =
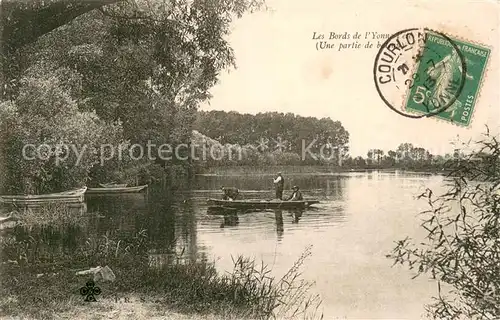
(49, 214)
(249, 291)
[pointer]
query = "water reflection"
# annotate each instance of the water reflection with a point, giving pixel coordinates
(172, 224)
(278, 215)
(359, 217)
(230, 220)
(45, 245)
(297, 214)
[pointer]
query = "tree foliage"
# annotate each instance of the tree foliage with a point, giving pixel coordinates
(279, 138)
(40, 132)
(98, 68)
(23, 22)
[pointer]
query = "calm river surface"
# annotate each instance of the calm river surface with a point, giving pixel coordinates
(351, 231)
(360, 217)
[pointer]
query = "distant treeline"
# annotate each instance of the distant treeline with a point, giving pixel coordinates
(276, 138)
(272, 138)
(406, 156)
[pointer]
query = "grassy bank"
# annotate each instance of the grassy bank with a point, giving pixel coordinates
(190, 288)
(39, 281)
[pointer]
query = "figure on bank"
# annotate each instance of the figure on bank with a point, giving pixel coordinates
(296, 195)
(279, 182)
(229, 193)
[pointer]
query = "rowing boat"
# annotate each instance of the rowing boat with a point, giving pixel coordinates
(116, 190)
(113, 185)
(262, 204)
(9, 221)
(72, 196)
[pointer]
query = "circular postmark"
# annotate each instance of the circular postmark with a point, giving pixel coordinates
(419, 73)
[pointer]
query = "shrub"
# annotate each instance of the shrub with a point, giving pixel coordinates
(462, 247)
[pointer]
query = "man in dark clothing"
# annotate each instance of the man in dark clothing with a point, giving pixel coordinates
(229, 193)
(296, 195)
(279, 182)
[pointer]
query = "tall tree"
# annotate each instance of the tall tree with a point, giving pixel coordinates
(22, 22)
(142, 65)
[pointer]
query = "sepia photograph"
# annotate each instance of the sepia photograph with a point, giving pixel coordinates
(250, 159)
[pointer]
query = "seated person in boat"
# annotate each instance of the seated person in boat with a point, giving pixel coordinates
(229, 193)
(296, 195)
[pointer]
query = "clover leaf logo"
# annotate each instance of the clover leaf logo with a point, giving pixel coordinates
(90, 291)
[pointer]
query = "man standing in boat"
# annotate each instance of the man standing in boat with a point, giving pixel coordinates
(279, 182)
(229, 193)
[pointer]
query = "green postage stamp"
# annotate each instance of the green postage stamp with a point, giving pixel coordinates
(439, 75)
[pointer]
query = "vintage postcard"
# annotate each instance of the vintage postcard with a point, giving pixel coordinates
(250, 159)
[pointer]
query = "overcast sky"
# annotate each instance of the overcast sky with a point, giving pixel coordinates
(279, 68)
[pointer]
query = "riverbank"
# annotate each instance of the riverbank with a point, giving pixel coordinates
(298, 170)
(41, 284)
(191, 290)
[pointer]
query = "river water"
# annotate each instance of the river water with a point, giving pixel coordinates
(359, 218)
(351, 231)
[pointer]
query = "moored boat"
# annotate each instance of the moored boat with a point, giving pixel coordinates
(262, 204)
(9, 221)
(113, 185)
(116, 190)
(72, 196)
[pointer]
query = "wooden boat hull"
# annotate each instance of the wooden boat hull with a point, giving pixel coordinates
(116, 190)
(262, 204)
(73, 196)
(111, 185)
(8, 222)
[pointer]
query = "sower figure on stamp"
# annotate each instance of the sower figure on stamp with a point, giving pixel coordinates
(279, 183)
